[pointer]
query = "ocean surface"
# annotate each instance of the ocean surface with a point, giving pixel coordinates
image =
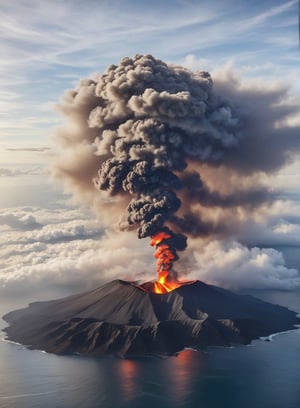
(265, 374)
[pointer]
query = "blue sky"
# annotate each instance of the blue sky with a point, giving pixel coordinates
(46, 48)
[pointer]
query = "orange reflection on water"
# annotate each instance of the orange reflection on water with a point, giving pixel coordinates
(184, 369)
(128, 374)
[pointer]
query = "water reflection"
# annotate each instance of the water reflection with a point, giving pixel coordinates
(128, 373)
(169, 381)
(181, 372)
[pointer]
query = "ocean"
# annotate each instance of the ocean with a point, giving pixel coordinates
(265, 374)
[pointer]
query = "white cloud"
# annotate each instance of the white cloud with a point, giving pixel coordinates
(288, 228)
(261, 18)
(278, 224)
(51, 233)
(70, 250)
(18, 220)
(16, 172)
(232, 265)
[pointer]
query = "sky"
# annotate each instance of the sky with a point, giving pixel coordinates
(48, 239)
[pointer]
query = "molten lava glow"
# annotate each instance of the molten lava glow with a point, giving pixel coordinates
(165, 258)
(165, 287)
(158, 238)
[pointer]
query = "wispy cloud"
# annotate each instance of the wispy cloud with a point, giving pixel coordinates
(263, 17)
(16, 172)
(28, 149)
(45, 46)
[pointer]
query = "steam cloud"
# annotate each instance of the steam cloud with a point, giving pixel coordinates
(183, 156)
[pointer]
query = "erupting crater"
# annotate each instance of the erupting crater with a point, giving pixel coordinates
(163, 285)
(165, 255)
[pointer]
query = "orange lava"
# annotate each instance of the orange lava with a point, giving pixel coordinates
(158, 238)
(165, 258)
(161, 288)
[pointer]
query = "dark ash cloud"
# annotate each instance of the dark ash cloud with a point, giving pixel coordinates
(156, 139)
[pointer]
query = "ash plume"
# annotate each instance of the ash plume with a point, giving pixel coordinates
(155, 139)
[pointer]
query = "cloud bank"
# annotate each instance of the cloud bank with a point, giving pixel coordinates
(231, 265)
(65, 248)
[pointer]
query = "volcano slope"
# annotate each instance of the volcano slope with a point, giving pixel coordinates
(123, 319)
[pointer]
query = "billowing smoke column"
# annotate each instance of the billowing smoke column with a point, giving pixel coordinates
(142, 131)
(151, 118)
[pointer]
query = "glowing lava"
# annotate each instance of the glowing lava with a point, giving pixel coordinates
(165, 257)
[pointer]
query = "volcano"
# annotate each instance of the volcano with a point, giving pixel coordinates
(122, 318)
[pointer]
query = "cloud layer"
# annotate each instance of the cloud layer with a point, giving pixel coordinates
(232, 265)
(64, 248)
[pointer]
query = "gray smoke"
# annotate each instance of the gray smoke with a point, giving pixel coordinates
(157, 138)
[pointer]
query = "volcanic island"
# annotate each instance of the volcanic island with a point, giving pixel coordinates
(157, 318)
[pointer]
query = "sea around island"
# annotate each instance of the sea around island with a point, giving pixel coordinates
(264, 374)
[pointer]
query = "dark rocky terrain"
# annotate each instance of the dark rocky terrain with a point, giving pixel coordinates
(121, 318)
